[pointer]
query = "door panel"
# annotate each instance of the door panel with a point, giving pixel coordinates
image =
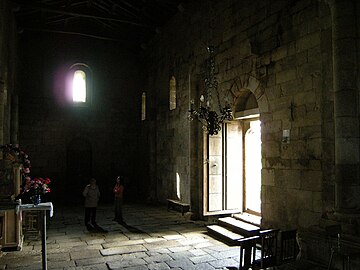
(215, 179)
(215, 193)
(225, 169)
(215, 165)
(215, 145)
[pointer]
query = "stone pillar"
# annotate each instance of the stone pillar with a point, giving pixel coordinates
(2, 113)
(346, 108)
(3, 96)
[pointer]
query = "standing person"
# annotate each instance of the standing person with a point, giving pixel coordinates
(92, 195)
(118, 195)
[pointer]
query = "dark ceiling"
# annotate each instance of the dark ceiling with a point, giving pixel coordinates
(128, 21)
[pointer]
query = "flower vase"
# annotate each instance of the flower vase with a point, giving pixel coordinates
(36, 199)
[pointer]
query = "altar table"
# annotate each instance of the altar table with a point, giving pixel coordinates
(43, 207)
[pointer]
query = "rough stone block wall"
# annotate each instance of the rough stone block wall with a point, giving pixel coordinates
(280, 51)
(8, 64)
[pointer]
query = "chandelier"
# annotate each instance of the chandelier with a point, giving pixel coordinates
(210, 119)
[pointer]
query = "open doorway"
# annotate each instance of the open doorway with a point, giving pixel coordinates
(233, 164)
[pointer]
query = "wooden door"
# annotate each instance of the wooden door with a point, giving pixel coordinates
(215, 177)
(225, 170)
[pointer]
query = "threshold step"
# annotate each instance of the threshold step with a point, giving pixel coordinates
(249, 218)
(238, 226)
(228, 236)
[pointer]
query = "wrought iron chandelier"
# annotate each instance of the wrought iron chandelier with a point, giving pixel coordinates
(211, 119)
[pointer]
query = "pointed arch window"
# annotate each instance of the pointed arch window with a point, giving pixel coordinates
(172, 93)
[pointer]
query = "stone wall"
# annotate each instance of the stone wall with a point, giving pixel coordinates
(280, 51)
(8, 82)
(102, 137)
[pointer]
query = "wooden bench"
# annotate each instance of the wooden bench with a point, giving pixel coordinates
(178, 206)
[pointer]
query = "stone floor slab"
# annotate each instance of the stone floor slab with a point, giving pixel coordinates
(122, 250)
(153, 238)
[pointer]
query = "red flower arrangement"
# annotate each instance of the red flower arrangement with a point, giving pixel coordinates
(36, 186)
(31, 187)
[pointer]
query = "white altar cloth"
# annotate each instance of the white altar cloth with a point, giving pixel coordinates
(41, 206)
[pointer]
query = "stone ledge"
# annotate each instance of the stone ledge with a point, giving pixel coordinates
(178, 206)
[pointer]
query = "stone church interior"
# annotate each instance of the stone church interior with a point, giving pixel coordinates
(241, 115)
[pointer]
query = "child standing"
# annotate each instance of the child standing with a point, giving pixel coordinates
(118, 195)
(92, 195)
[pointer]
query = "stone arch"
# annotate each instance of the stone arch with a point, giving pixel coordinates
(248, 82)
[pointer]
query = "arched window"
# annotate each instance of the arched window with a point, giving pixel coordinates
(80, 84)
(143, 106)
(172, 93)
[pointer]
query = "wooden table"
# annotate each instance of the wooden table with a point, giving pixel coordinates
(43, 207)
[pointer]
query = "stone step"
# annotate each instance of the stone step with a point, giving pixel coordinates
(249, 218)
(238, 226)
(178, 206)
(223, 234)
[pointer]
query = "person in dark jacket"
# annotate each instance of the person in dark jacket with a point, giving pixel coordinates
(92, 195)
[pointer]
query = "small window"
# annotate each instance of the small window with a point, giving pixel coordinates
(172, 93)
(79, 86)
(143, 106)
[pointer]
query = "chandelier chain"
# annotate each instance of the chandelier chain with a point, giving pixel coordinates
(210, 119)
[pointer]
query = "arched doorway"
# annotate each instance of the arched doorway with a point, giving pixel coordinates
(233, 175)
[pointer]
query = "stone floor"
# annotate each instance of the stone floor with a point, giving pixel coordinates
(153, 238)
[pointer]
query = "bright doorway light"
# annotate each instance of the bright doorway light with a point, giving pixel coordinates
(253, 166)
